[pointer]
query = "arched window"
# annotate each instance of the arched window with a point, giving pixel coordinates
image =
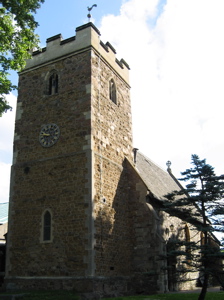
(112, 91)
(53, 84)
(47, 226)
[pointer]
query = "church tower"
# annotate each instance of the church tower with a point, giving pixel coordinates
(68, 219)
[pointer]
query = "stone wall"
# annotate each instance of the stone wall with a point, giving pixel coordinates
(153, 231)
(57, 178)
(112, 141)
(80, 179)
(46, 186)
(69, 108)
(113, 224)
(89, 288)
(111, 122)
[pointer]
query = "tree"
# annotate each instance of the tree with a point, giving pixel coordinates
(201, 204)
(17, 26)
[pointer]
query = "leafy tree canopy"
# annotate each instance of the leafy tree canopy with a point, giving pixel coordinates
(17, 26)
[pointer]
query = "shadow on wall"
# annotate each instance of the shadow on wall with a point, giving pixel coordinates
(127, 235)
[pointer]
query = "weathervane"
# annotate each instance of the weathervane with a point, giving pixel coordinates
(89, 9)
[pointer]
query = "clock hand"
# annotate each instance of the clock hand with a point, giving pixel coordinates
(45, 134)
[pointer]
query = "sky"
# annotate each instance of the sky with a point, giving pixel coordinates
(175, 49)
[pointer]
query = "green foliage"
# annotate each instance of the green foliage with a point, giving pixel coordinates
(69, 295)
(201, 204)
(204, 193)
(48, 295)
(205, 190)
(17, 26)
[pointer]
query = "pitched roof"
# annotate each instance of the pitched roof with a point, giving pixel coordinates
(161, 183)
(158, 181)
(4, 212)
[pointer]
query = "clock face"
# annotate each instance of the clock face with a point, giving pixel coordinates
(49, 135)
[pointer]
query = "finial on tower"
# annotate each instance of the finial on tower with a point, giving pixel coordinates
(168, 165)
(89, 9)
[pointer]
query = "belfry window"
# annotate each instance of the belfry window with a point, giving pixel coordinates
(112, 91)
(53, 84)
(47, 226)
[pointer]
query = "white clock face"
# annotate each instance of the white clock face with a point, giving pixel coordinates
(49, 135)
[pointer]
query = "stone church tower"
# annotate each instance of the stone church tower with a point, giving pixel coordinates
(84, 212)
(73, 131)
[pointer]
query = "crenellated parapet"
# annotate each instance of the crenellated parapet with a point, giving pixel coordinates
(87, 36)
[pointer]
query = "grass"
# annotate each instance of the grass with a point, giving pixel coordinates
(47, 295)
(66, 295)
(51, 295)
(180, 296)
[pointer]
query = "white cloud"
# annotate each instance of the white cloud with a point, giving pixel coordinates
(4, 184)
(7, 122)
(137, 10)
(177, 67)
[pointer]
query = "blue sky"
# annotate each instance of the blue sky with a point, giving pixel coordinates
(175, 51)
(56, 16)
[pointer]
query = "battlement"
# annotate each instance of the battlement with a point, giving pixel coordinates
(86, 36)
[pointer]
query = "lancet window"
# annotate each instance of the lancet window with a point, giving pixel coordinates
(112, 91)
(47, 226)
(53, 84)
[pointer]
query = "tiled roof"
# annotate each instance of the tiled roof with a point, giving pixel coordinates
(4, 212)
(161, 183)
(158, 181)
